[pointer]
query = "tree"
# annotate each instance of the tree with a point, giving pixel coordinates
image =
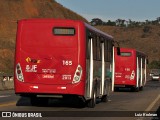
(158, 19)
(110, 23)
(120, 22)
(96, 21)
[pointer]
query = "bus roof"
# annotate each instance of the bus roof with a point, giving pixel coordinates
(64, 20)
(98, 31)
(132, 49)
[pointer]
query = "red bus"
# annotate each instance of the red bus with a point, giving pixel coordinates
(130, 69)
(62, 57)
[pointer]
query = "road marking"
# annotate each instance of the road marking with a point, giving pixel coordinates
(150, 107)
(152, 104)
(8, 104)
(2, 96)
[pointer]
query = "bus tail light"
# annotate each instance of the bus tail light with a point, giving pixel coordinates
(77, 75)
(19, 73)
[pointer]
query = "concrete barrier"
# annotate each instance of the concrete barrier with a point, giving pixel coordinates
(6, 83)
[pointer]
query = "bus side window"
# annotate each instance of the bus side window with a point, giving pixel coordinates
(118, 51)
(108, 50)
(88, 48)
(105, 49)
(95, 47)
(99, 52)
(88, 44)
(147, 61)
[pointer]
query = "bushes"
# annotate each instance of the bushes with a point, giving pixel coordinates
(146, 29)
(154, 65)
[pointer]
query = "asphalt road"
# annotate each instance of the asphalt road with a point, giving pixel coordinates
(122, 105)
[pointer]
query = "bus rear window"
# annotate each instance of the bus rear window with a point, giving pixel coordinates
(126, 54)
(64, 31)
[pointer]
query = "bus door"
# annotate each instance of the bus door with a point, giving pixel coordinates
(89, 68)
(140, 71)
(103, 71)
(95, 68)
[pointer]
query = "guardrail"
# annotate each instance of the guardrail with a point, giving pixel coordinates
(6, 82)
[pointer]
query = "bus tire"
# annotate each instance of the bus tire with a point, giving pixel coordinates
(136, 89)
(104, 98)
(141, 88)
(92, 101)
(116, 89)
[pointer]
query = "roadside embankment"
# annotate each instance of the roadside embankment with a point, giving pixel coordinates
(6, 83)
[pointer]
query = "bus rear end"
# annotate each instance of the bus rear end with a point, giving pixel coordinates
(48, 58)
(125, 68)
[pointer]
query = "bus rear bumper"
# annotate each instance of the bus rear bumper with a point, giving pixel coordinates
(125, 85)
(39, 89)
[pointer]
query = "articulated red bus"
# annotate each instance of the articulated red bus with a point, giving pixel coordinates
(130, 69)
(62, 57)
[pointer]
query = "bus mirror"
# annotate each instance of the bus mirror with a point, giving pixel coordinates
(118, 51)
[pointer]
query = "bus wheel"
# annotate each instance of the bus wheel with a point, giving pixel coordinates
(141, 88)
(116, 89)
(135, 89)
(104, 98)
(92, 101)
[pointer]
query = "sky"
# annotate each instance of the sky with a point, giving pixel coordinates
(136, 10)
